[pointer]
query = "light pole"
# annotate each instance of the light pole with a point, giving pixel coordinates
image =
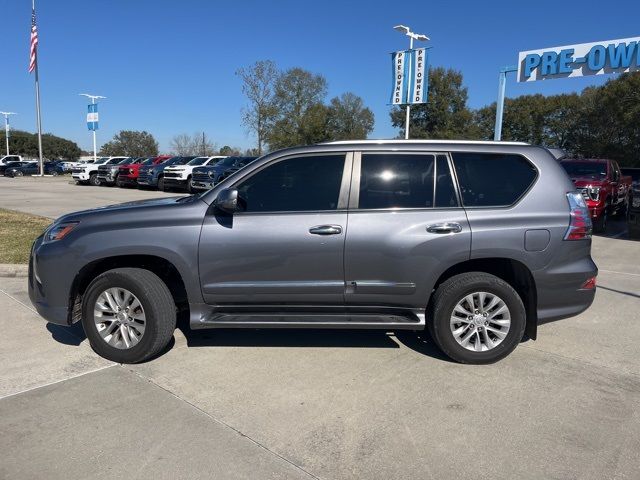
(6, 127)
(93, 102)
(412, 36)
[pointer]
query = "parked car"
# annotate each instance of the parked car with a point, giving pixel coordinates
(205, 178)
(20, 169)
(69, 166)
(88, 173)
(4, 167)
(605, 189)
(108, 173)
(152, 176)
(9, 159)
(128, 173)
(633, 218)
(477, 241)
(180, 176)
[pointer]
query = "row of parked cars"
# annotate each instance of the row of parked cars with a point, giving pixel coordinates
(15, 166)
(164, 172)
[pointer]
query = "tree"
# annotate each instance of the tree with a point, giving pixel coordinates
(258, 84)
(348, 118)
(131, 143)
(445, 115)
(196, 144)
(229, 151)
(53, 147)
(300, 116)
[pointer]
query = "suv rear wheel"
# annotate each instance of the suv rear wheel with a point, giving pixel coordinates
(476, 318)
(128, 315)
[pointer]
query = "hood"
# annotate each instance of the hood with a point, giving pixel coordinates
(130, 207)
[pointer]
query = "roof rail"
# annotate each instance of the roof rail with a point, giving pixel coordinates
(456, 142)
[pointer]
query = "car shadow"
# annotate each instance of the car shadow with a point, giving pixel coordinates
(71, 335)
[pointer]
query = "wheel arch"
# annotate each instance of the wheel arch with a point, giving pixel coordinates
(514, 272)
(162, 267)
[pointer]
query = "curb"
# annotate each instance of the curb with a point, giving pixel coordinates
(12, 271)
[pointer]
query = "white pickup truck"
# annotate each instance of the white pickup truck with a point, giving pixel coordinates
(180, 175)
(10, 158)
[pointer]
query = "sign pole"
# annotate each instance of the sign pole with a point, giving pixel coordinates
(407, 120)
(38, 116)
(502, 85)
(95, 152)
(7, 127)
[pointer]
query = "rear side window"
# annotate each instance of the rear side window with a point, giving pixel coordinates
(396, 181)
(491, 179)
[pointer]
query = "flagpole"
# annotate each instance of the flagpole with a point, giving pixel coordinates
(38, 116)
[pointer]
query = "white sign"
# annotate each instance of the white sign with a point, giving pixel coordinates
(400, 67)
(598, 58)
(420, 83)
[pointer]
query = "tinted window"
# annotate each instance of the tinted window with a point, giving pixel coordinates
(198, 161)
(593, 170)
(492, 180)
(396, 181)
(445, 191)
(294, 185)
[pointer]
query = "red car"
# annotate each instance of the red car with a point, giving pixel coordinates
(128, 174)
(604, 188)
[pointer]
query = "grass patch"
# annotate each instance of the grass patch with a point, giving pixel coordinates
(17, 232)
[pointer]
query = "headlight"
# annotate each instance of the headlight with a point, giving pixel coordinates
(58, 231)
(131, 170)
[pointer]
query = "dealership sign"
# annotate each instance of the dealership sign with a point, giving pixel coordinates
(410, 76)
(599, 58)
(92, 117)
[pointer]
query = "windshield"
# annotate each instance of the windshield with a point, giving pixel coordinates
(198, 161)
(226, 162)
(585, 169)
(182, 160)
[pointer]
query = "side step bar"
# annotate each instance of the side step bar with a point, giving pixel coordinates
(399, 321)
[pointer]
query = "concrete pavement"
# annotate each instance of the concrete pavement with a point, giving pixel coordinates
(306, 404)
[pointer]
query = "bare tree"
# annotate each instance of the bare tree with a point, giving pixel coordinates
(258, 85)
(196, 144)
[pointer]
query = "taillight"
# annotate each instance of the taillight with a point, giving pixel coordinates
(579, 221)
(590, 284)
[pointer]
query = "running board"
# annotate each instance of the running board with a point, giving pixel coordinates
(408, 321)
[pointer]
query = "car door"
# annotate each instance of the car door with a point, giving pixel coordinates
(286, 243)
(405, 227)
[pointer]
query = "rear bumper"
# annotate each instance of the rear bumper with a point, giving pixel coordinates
(559, 289)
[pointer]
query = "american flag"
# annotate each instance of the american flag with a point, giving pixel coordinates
(34, 42)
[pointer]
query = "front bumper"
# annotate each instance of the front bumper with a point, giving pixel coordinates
(127, 179)
(148, 180)
(50, 280)
(181, 182)
(107, 178)
(202, 185)
(81, 176)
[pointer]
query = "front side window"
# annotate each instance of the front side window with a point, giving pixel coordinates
(297, 184)
(492, 179)
(396, 181)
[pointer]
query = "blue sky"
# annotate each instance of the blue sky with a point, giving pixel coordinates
(168, 67)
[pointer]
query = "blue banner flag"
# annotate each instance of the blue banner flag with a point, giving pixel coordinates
(92, 116)
(410, 81)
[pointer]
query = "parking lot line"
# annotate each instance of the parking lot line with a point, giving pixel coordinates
(18, 301)
(619, 273)
(57, 381)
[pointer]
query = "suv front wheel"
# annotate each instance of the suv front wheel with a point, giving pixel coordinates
(128, 315)
(476, 318)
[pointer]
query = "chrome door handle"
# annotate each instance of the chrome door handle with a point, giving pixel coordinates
(326, 230)
(447, 227)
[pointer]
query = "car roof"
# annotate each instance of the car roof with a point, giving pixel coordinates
(585, 160)
(419, 142)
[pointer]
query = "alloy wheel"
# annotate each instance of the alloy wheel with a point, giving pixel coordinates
(119, 318)
(480, 321)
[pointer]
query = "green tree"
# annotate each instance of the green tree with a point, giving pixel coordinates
(53, 147)
(348, 118)
(445, 115)
(258, 84)
(229, 151)
(131, 143)
(300, 116)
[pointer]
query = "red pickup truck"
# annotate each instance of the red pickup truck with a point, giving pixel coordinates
(604, 188)
(128, 174)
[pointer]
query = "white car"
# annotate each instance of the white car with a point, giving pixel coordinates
(180, 175)
(10, 158)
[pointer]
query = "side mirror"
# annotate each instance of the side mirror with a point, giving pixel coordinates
(227, 200)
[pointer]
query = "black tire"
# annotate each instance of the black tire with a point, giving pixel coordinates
(18, 174)
(450, 293)
(190, 185)
(54, 173)
(161, 183)
(119, 183)
(600, 223)
(158, 304)
(94, 180)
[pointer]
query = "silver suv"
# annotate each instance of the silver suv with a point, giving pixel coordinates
(478, 242)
